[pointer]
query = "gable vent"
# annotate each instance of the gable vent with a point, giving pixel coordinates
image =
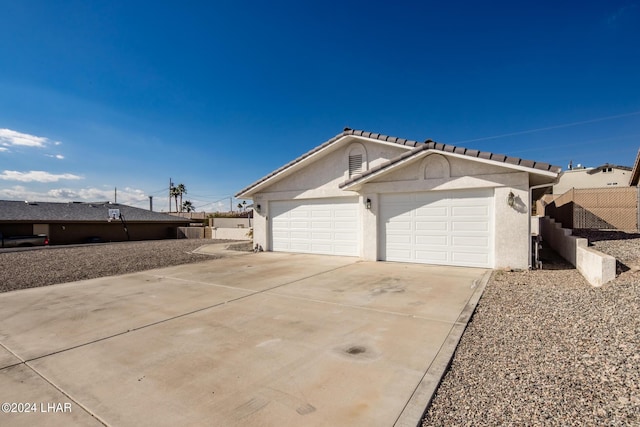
(355, 164)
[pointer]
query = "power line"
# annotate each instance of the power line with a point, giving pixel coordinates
(566, 125)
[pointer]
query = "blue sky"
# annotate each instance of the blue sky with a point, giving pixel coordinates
(216, 94)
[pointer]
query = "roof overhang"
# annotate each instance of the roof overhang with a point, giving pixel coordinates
(420, 152)
(309, 157)
(543, 172)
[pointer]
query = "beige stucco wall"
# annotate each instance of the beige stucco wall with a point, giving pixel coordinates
(579, 178)
(322, 178)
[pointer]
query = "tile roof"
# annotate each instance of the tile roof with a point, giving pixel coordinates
(446, 148)
(346, 132)
(78, 212)
(418, 147)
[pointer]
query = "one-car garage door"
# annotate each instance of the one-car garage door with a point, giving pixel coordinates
(319, 226)
(438, 227)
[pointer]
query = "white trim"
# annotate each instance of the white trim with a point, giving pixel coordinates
(390, 144)
(333, 146)
(424, 153)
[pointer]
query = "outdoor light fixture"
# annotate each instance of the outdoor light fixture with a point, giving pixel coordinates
(511, 199)
(258, 208)
(368, 204)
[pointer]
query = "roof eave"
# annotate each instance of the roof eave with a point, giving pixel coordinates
(289, 168)
(392, 165)
(309, 156)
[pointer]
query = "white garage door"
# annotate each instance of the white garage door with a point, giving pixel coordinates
(438, 227)
(322, 226)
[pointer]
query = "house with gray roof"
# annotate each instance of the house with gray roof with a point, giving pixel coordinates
(78, 222)
(379, 197)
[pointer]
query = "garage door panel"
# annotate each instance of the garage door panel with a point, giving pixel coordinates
(345, 237)
(472, 259)
(319, 225)
(296, 214)
(481, 226)
(438, 227)
(431, 240)
(322, 226)
(432, 212)
(400, 226)
(431, 256)
(398, 253)
(431, 225)
(399, 239)
(472, 211)
(481, 242)
(346, 226)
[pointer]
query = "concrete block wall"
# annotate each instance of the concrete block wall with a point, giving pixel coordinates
(596, 267)
(230, 233)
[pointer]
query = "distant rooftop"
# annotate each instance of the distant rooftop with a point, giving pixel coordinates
(51, 212)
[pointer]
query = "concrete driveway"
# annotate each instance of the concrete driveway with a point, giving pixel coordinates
(270, 339)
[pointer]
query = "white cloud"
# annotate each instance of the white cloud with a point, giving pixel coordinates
(56, 156)
(3, 149)
(35, 176)
(127, 196)
(10, 138)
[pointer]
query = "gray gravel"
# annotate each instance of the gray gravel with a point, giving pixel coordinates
(546, 348)
(543, 347)
(59, 264)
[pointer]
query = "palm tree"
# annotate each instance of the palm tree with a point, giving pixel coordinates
(188, 206)
(174, 192)
(239, 206)
(181, 190)
(244, 205)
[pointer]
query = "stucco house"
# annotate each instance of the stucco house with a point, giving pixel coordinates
(378, 197)
(77, 222)
(603, 176)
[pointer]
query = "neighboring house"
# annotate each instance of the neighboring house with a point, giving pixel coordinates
(76, 222)
(604, 176)
(384, 198)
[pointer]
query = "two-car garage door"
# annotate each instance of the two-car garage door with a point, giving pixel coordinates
(438, 227)
(319, 226)
(435, 227)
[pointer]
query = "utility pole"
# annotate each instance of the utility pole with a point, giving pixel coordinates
(170, 186)
(115, 195)
(151, 203)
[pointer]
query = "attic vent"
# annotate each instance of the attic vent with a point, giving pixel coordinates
(355, 164)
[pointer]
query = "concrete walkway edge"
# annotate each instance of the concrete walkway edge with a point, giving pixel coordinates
(418, 404)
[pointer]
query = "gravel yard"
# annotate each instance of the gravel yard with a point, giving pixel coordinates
(59, 264)
(546, 348)
(543, 347)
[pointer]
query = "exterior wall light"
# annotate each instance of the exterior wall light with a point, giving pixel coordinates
(511, 199)
(258, 208)
(368, 204)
